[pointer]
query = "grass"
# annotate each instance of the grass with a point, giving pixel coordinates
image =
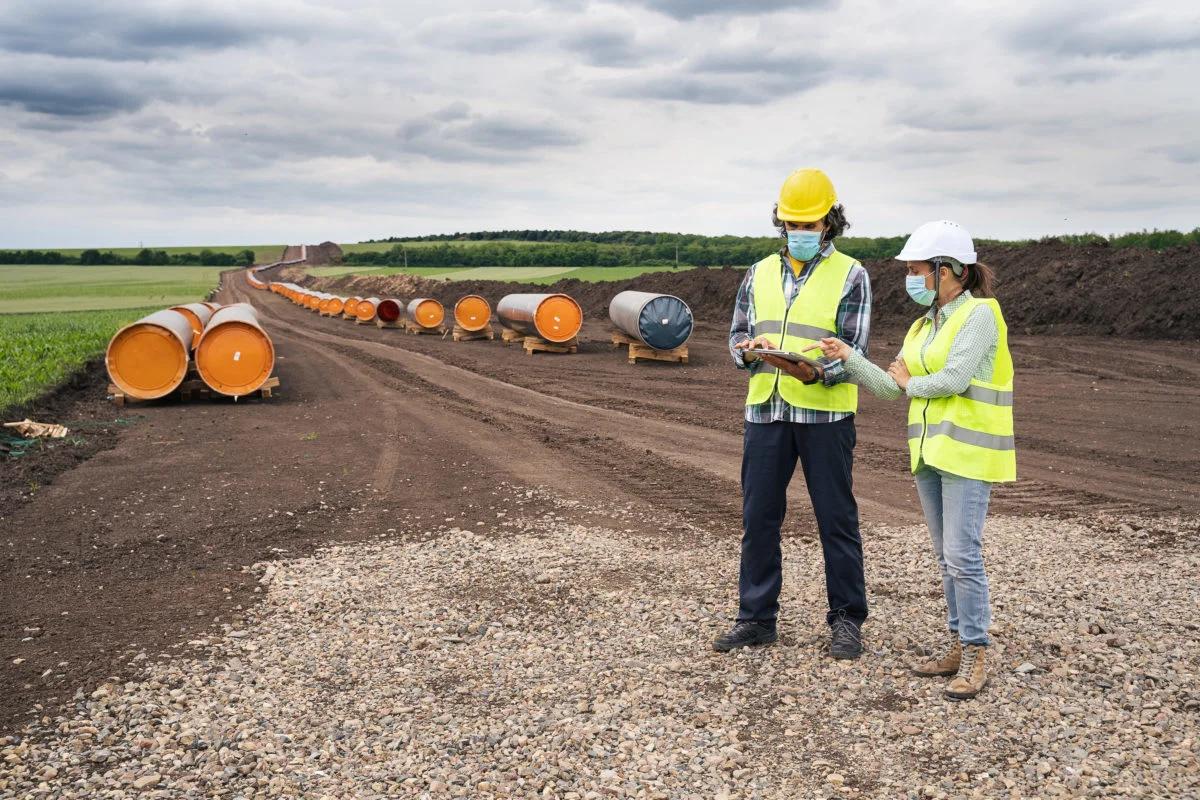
(75, 288)
(383, 247)
(40, 350)
(343, 269)
(55, 318)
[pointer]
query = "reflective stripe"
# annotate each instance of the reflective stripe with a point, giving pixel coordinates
(808, 331)
(964, 435)
(993, 397)
(768, 326)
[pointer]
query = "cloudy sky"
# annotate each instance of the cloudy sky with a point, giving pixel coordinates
(176, 123)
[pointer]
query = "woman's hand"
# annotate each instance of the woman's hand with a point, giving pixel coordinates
(834, 349)
(758, 342)
(899, 372)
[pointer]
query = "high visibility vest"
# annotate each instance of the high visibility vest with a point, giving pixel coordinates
(812, 316)
(969, 434)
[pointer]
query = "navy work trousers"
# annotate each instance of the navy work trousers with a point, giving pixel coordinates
(769, 455)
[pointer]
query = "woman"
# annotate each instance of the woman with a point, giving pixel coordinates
(956, 368)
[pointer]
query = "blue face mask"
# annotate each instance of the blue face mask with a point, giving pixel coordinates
(915, 286)
(803, 245)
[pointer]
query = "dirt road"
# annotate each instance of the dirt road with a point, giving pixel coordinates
(375, 432)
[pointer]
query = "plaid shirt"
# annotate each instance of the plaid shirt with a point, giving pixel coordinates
(853, 327)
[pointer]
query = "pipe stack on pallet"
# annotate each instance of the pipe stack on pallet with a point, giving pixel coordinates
(226, 347)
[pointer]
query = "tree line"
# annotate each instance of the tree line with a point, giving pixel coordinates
(144, 257)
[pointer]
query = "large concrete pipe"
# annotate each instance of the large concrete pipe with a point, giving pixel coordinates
(197, 315)
(235, 356)
(472, 313)
(426, 312)
(661, 321)
(389, 310)
(553, 317)
(211, 305)
(149, 359)
(366, 309)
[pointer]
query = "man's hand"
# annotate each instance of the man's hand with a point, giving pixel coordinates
(899, 372)
(758, 342)
(800, 371)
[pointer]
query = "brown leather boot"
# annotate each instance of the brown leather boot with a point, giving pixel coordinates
(972, 674)
(941, 667)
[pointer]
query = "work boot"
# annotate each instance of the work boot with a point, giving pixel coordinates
(846, 639)
(744, 633)
(941, 667)
(972, 673)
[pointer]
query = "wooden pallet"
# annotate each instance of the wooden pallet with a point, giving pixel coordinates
(191, 389)
(508, 335)
(349, 316)
(381, 324)
(461, 334)
(419, 330)
(536, 344)
(637, 350)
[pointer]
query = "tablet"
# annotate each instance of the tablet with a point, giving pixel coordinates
(795, 358)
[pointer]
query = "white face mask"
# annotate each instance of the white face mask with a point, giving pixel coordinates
(915, 286)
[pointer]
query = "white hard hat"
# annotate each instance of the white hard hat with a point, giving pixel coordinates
(941, 238)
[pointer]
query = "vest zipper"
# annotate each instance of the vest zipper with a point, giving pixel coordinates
(928, 400)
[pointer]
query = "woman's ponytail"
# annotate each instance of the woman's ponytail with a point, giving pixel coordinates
(978, 279)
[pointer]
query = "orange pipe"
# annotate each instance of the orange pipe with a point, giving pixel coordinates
(365, 311)
(351, 304)
(235, 355)
(472, 313)
(197, 315)
(149, 359)
(554, 317)
(426, 312)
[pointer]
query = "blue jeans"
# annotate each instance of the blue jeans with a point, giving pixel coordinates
(955, 508)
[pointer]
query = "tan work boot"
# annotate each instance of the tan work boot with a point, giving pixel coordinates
(972, 673)
(941, 667)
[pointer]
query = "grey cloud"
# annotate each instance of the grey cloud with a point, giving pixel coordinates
(690, 9)
(1097, 34)
(456, 134)
(607, 46)
(729, 79)
(72, 93)
(1182, 152)
(113, 31)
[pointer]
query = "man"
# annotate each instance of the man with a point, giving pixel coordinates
(789, 301)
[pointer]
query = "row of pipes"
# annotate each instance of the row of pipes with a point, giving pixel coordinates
(661, 321)
(229, 350)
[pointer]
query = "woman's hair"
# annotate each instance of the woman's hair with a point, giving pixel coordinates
(978, 279)
(835, 222)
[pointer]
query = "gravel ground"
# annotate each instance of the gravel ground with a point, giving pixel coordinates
(563, 655)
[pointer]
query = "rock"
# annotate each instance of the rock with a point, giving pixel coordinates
(146, 781)
(1025, 668)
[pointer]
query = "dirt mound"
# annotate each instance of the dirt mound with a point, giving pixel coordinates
(1049, 287)
(323, 253)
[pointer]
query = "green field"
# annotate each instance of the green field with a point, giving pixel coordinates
(54, 318)
(39, 350)
(74, 288)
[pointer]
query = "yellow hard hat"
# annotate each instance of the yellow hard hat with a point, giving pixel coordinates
(806, 196)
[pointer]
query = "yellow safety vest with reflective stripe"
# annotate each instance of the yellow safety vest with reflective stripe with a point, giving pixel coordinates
(812, 316)
(969, 434)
